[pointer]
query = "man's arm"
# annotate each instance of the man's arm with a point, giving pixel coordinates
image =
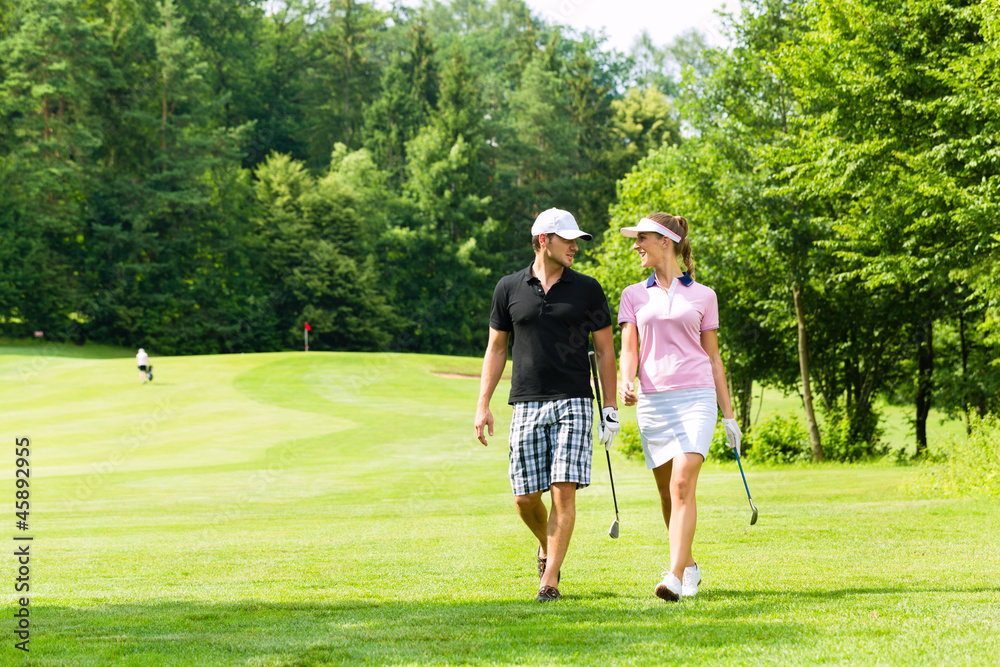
(604, 350)
(493, 365)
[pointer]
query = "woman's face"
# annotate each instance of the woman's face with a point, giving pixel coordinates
(649, 245)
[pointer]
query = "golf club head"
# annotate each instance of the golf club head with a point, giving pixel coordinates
(753, 519)
(613, 530)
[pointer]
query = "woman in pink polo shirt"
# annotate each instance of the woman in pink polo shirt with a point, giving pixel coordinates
(669, 336)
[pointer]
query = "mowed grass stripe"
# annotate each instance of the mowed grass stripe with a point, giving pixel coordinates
(334, 508)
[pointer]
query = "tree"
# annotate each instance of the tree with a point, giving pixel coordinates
(347, 78)
(164, 264)
(745, 108)
(663, 67)
(54, 57)
(312, 241)
(408, 96)
(874, 141)
(644, 120)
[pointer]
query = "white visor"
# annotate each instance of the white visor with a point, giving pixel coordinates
(647, 225)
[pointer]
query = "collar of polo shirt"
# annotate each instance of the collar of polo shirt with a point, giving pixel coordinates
(686, 280)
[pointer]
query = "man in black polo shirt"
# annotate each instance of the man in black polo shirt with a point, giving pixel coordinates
(551, 310)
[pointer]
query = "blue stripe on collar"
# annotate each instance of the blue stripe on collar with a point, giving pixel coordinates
(686, 279)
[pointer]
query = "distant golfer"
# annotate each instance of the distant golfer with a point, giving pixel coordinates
(142, 359)
(550, 310)
(669, 335)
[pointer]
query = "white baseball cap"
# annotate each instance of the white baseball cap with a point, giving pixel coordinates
(648, 225)
(558, 221)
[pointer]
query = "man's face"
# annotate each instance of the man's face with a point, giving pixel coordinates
(559, 250)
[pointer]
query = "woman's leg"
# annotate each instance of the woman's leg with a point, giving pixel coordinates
(682, 484)
(662, 477)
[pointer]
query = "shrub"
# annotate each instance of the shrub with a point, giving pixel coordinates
(852, 438)
(780, 439)
(630, 442)
(971, 466)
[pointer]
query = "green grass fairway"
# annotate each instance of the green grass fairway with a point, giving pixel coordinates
(332, 508)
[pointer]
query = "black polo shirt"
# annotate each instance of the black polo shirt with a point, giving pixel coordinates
(551, 332)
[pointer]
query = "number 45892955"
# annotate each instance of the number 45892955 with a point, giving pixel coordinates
(22, 474)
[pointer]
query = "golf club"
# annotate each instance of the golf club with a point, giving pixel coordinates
(753, 519)
(613, 530)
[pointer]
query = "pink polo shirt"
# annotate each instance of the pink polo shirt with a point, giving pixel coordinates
(670, 325)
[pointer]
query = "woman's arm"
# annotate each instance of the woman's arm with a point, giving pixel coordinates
(710, 343)
(629, 363)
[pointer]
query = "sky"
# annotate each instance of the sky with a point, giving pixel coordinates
(624, 20)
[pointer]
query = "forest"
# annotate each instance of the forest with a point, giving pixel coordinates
(206, 176)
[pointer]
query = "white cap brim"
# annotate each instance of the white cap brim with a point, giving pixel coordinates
(569, 235)
(647, 225)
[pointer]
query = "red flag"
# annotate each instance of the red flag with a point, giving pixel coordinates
(308, 328)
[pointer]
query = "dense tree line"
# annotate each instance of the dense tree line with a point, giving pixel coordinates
(206, 176)
(201, 176)
(843, 188)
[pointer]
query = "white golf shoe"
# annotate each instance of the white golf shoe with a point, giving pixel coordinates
(669, 589)
(692, 577)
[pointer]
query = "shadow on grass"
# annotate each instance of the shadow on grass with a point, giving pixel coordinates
(597, 628)
(774, 597)
(577, 630)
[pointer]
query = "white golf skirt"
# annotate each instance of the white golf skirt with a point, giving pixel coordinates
(676, 422)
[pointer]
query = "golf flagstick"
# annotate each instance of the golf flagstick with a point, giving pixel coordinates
(613, 530)
(753, 519)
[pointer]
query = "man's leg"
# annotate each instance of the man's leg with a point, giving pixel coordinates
(529, 466)
(531, 509)
(572, 451)
(560, 529)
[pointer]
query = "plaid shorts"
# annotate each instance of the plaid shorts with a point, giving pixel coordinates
(550, 441)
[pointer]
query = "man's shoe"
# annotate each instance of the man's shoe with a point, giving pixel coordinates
(669, 589)
(548, 594)
(692, 577)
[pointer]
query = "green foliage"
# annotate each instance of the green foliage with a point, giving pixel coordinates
(630, 442)
(314, 242)
(644, 120)
(965, 466)
(779, 439)
(187, 175)
(848, 436)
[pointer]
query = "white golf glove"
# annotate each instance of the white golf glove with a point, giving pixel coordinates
(608, 428)
(733, 434)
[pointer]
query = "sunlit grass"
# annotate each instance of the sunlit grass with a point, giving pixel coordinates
(326, 508)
